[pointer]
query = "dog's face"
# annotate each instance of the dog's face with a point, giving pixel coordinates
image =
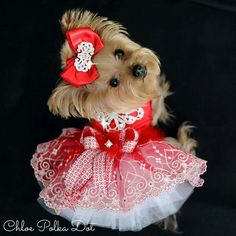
(127, 72)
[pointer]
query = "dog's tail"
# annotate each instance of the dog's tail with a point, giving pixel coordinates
(184, 137)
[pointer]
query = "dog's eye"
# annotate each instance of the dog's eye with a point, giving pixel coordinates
(114, 82)
(119, 53)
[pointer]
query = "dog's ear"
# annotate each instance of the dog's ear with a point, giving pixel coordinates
(83, 18)
(76, 18)
(67, 101)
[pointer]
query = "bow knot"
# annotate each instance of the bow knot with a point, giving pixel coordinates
(80, 70)
(125, 142)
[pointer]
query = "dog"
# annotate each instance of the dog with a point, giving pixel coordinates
(129, 77)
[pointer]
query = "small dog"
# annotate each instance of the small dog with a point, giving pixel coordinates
(129, 77)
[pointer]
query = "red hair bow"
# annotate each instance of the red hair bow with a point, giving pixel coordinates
(80, 69)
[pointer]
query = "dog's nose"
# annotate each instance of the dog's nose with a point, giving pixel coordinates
(139, 71)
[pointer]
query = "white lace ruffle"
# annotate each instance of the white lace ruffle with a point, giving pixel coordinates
(149, 211)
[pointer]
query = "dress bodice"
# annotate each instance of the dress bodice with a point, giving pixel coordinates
(139, 119)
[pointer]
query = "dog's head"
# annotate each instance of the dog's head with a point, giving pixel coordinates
(127, 71)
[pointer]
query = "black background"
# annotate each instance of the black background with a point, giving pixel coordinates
(196, 44)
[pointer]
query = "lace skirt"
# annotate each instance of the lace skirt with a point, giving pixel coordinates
(119, 184)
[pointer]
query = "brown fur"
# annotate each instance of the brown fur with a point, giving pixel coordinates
(132, 93)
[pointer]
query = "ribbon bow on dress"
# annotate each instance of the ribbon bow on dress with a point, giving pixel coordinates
(80, 70)
(102, 156)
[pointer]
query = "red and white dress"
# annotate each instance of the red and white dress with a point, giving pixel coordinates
(117, 173)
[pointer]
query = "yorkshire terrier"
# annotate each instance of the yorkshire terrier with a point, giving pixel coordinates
(129, 77)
